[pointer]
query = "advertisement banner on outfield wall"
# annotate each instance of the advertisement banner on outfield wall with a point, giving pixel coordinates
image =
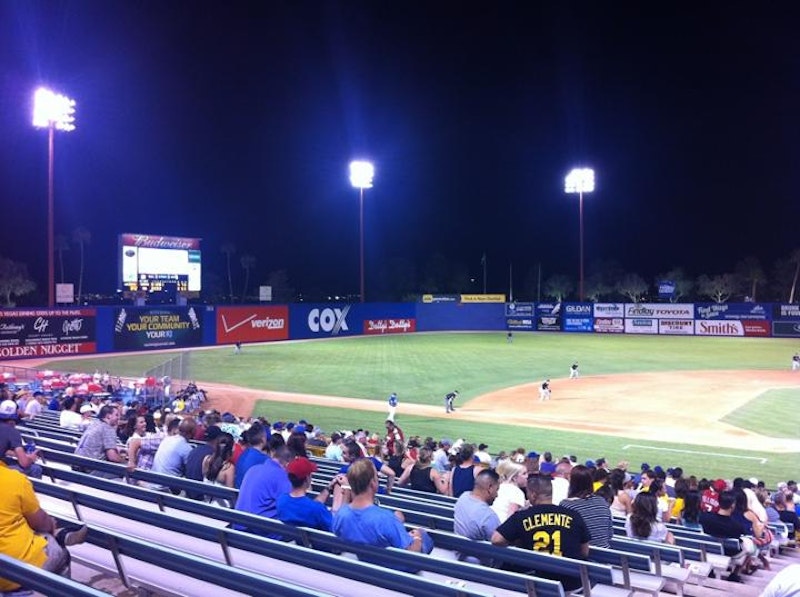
(548, 317)
(322, 320)
(641, 325)
(732, 328)
(660, 310)
(786, 329)
(676, 327)
(609, 310)
(791, 312)
(47, 332)
(519, 323)
(741, 311)
(138, 328)
(609, 325)
(578, 324)
(439, 298)
(520, 310)
(252, 324)
(389, 326)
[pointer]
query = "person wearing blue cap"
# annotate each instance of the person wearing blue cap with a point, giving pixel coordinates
(392, 406)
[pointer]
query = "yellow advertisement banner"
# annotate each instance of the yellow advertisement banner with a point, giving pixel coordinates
(483, 298)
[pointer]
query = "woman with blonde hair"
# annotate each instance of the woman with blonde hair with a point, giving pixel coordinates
(510, 494)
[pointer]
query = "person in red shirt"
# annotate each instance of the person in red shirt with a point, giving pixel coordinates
(393, 434)
(709, 499)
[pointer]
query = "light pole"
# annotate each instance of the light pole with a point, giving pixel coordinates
(580, 181)
(53, 112)
(361, 174)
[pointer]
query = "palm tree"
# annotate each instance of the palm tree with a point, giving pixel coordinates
(61, 245)
(229, 249)
(81, 237)
(247, 261)
(751, 273)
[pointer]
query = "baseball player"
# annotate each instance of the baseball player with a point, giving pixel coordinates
(392, 406)
(544, 391)
(573, 370)
(448, 401)
(796, 362)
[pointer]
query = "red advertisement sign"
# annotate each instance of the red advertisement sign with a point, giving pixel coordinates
(390, 326)
(252, 324)
(756, 328)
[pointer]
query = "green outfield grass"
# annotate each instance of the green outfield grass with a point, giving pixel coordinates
(707, 461)
(421, 368)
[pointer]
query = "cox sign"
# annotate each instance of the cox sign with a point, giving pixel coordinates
(332, 320)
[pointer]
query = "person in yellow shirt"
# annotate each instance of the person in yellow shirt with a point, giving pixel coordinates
(27, 532)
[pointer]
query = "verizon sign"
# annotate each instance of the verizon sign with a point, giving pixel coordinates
(252, 324)
(390, 326)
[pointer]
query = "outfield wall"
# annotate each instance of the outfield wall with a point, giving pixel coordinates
(37, 333)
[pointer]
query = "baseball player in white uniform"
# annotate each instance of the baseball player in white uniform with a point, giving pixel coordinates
(573, 370)
(544, 391)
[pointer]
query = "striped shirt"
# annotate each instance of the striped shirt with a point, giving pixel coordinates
(596, 514)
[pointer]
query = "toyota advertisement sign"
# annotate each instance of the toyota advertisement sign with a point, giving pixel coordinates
(252, 324)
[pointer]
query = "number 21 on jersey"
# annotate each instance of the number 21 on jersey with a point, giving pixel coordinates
(549, 542)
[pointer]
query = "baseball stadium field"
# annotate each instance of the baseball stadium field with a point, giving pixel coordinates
(718, 407)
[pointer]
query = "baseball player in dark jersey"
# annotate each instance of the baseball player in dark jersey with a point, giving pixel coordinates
(448, 401)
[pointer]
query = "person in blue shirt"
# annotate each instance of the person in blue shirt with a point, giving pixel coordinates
(263, 485)
(295, 507)
(364, 523)
(255, 453)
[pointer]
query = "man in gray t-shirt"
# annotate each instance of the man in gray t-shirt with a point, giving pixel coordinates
(473, 517)
(174, 450)
(99, 441)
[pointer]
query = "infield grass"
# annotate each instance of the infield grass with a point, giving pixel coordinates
(421, 368)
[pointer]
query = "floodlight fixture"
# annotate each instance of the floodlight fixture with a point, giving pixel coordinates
(579, 180)
(53, 110)
(361, 174)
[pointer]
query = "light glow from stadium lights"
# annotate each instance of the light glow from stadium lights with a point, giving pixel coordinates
(579, 180)
(361, 174)
(54, 110)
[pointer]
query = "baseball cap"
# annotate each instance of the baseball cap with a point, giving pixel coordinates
(301, 467)
(86, 408)
(533, 454)
(720, 485)
(299, 429)
(8, 410)
(590, 464)
(645, 466)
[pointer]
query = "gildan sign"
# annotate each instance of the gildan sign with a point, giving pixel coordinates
(252, 324)
(389, 326)
(50, 332)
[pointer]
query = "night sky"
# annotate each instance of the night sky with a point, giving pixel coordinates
(236, 121)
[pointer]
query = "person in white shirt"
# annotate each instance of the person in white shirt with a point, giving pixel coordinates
(482, 455)
(69, 417)
(510, 495)
(561, 481)
(334, 449)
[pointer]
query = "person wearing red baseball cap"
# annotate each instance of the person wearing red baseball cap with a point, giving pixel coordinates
(295, 507)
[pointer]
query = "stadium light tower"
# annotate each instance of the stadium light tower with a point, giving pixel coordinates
(580, 181)
(54, 112)
(361, 174)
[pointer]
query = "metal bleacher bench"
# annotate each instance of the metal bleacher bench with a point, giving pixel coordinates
(313, 557)
(42, 581)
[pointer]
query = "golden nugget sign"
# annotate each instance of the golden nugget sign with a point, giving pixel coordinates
(483, 298)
